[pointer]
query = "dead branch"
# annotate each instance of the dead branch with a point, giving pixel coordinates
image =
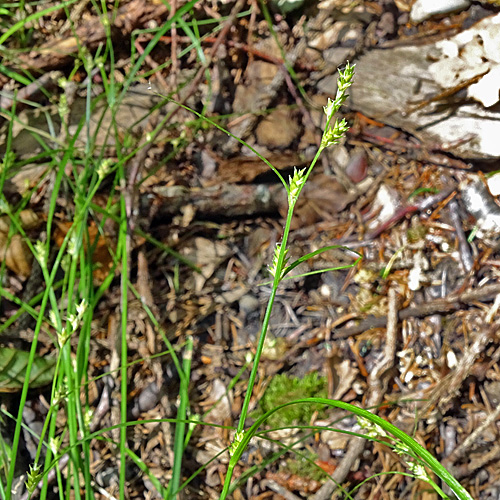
(452, 303)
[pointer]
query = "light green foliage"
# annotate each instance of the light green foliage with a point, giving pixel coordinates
(284, 389)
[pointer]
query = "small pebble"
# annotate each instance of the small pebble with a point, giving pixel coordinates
(248, 304)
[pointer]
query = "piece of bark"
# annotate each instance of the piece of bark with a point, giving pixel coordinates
(246, 169)
(226, 200)
(449, 304)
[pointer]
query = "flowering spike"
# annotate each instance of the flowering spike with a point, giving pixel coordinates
(418, 470)
(33, 477)
(332, 135)
(296, 184)
(372, 429)
(273, 268)
(238, 437)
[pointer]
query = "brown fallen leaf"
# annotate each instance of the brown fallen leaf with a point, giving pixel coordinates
(246, 169)
(16, 254)
(14, 251)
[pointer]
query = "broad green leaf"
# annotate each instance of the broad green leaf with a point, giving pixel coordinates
(13, 364)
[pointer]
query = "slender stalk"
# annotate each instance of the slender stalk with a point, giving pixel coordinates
(258, 353)
(180, 426)
(124, 352)
(331, 135)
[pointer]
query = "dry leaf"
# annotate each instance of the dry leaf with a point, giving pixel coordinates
(322, 198)
(16, 254)
(246, 169)
(15, 251)
(208, 256)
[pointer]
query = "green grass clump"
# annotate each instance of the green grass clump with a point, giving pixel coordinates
(283, 389)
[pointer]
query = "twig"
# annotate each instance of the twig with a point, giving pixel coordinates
(420, 206)
(273, 485)
(449, 304)
(463, 245)
(251, 29)
(387, 361)
(34, 91)
(376, 392)
(445, 93)
(472, 438)
(437, 155)
(449, 385)
(471, 467)
(153, 64)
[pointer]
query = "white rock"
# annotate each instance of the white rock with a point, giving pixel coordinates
(487, 89)
(494, 184)
(391, 83)
(424, 9)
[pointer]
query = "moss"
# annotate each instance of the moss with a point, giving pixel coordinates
(306, 468)
(284, 389)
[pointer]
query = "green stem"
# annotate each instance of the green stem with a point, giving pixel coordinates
(180, 426)
(124, 351)
(277, 280)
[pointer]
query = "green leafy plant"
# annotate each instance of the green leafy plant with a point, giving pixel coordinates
(66, 308)
(306, 467)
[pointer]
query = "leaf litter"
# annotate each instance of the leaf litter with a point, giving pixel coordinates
(413, 330)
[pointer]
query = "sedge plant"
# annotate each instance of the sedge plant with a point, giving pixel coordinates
(65, 309)
(418, 458)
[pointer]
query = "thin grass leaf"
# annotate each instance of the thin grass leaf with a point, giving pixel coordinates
(423, 455)
(310, 255)
(241, 141)
(33, 17)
